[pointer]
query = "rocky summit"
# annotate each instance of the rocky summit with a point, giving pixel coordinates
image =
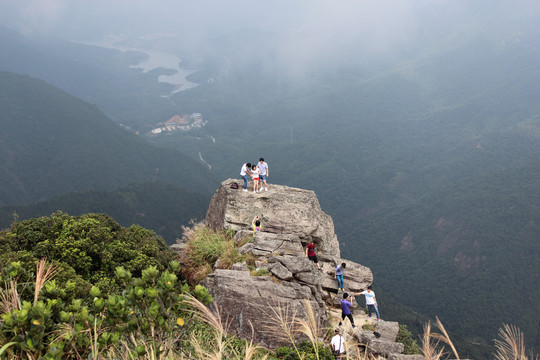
(290, 218)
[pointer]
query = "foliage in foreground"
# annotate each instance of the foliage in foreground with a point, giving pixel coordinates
(87, 249)
(510, 346)
(147, 316)
(305, 350)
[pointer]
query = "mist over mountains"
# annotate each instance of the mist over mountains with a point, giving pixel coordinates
(416, 123)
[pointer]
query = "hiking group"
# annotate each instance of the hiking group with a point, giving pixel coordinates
(258, 174)
(346, 303)
(337, 343)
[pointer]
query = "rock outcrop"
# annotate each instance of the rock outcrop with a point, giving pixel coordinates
(291, 218)
(282, 209)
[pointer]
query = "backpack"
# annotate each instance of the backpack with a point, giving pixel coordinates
(234, 185)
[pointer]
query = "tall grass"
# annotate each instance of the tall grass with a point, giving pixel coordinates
(431, 340)
(9, 297)
(284, 325)
(204, 247)
(44, 273)
(511, 345)
(222, 347)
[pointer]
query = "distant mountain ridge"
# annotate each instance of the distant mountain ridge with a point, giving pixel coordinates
(99, 75)
(163, 208)
(52, 143)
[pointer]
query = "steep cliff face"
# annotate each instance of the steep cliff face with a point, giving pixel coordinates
(290, 219)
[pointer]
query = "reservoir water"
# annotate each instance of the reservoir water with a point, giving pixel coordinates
(156, 59)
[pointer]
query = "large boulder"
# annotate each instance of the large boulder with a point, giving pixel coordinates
(405, 357)
(378, 345)
(248, 303)
(355, 276)
(282, 210)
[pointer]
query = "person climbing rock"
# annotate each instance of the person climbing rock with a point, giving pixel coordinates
(346, 304)
(310, 254)
(256, 224)
(339, 276)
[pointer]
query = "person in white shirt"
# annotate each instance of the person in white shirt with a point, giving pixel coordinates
(338, 345)
(255, 175)
(244, 172)
(371, 302)
(263, 167)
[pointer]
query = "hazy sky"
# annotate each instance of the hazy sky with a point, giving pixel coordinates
(298, 32)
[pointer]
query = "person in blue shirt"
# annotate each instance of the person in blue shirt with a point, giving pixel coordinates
(339, 276)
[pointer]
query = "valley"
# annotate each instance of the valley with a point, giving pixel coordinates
(426, 155)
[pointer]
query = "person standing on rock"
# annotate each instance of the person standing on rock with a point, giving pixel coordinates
(310, 254)
(338, 345)
(339, 276)
(346, 309)
(263, 167)
(244, 172)
(371, 302)
(255, 175)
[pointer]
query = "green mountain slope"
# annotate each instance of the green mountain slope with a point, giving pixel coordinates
(163, 208)
(468, 253)
(95, 74)
(52, 143)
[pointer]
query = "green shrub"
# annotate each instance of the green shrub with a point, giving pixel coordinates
(404, 336)
(87, 248)
(204, 247)
(306, 350)
(368, 327)
(259, 272)
(147, 308)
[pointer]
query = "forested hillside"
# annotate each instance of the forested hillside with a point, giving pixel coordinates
(164, 208)
(467, 253)
(53, 143)
(95, 74)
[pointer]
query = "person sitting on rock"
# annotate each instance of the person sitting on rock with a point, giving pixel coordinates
(346, 304)
(339, 276)
(256, 224)
(310, 253)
